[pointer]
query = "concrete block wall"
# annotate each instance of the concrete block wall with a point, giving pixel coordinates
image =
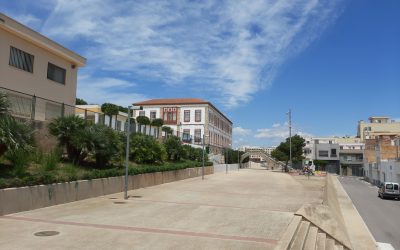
(13, 200)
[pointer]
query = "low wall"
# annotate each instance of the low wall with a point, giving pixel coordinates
(13, 200)
(222, 167)
(347, 215)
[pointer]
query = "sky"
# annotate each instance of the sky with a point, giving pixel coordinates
(332, 63)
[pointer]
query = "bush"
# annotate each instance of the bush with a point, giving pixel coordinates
(103, 142)
(173, 146)
(68, 132)
(145, 149)
(51, 160)
(194, 154)
(19, 159)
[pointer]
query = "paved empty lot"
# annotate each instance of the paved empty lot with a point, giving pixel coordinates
(246, 209)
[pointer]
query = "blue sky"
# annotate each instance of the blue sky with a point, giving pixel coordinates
(332, 62)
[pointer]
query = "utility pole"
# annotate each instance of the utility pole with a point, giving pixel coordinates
(290, 137)
(202, 167)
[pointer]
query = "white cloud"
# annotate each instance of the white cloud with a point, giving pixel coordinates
(279, 132)
(101, 90)
(239, 131)
(228, 49)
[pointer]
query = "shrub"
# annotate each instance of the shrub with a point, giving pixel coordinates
(51, 160)
(145, 149)
(14, 135)
(173, 146)
(68, 132)
(194, 154)
(105, 144)
(19, 159)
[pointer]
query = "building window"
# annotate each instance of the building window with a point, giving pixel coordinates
(197, 135)
(152, 115)
(56, 73)
(169, 115)
(142, 113)
(197, 117)
(186, 116)
(323, 153)
(21, 60)
(333, 152)
(119, 125)
(186, 136)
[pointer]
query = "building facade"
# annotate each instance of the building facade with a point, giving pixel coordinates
(191, 119)
(382, 157)
(343, 155)
(255, 150)
(377, 125)
(31, 65)
(93, 113)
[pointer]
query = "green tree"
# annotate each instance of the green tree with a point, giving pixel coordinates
(103, 142)
(173, 146)
(167, 130)
(110, 110)
(145, 149)
(193, 154)
(80, 101)
(158, 123)
(282, 152)
(68, 131)
(143, 120)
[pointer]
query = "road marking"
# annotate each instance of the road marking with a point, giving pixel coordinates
(145, 230)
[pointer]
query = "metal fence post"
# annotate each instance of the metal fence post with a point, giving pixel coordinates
(33, 107)
(62, 109)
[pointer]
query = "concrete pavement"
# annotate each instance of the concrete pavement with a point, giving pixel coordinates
(381, 216)
(246, 209)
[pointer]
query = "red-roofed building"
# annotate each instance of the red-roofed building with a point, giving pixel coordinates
(191, 119)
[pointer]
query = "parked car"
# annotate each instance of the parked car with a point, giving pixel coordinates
(389, 190)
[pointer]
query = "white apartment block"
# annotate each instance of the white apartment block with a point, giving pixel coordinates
(191, 119)
(38, 74)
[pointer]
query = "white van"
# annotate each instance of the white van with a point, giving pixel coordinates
(389, 190)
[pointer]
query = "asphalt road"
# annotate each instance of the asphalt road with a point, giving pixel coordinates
(381, 216)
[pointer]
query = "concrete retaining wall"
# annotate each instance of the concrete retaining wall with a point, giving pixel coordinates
(13, 200)
(222, 167)
(347, 216)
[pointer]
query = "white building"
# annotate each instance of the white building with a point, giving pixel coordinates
(255, 150)
(191, 119)
(94, 114)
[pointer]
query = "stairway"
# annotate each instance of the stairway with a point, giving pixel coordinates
(303, 235)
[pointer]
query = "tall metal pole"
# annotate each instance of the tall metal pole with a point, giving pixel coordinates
(202, 167)
(238, 160)
(128, 130)
(226, 159)
(290, 136)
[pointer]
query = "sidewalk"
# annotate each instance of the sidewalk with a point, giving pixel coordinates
(246, 209)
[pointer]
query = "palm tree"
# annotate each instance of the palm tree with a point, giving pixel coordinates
(157, 123)
(68, 131)
(14, 135)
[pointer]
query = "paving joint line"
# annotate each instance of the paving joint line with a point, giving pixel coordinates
(146, 230)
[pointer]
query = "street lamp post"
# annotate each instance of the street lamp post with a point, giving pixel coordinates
(290, 136)
(238, 159)
(128, 130)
